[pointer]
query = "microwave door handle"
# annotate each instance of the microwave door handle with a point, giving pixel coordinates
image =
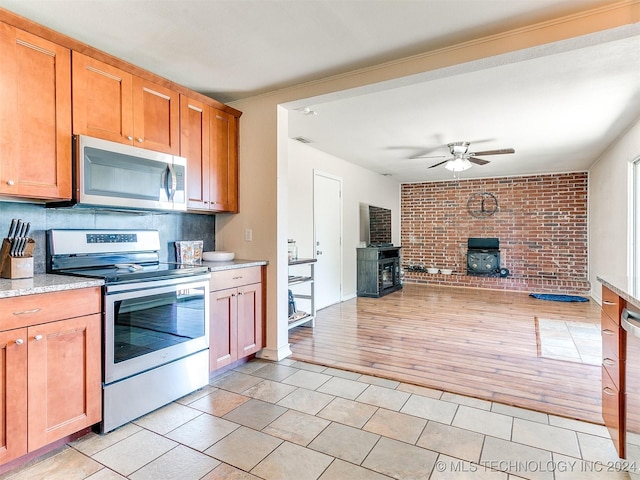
(171, 184)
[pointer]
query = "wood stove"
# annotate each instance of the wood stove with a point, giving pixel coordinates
(483, 257)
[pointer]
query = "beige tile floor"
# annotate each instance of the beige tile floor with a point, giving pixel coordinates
(571, 341)
(296, 421)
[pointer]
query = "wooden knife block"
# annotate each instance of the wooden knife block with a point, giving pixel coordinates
(16, 267)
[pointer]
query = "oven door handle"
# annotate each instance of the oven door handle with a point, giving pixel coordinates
(631, 322)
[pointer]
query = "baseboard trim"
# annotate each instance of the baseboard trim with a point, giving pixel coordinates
(275, 355)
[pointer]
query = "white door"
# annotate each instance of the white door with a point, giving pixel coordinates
(327, 216)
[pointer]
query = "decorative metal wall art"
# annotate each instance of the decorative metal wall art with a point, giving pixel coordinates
(483, 204)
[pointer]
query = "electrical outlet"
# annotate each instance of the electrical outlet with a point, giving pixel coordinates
(248, 235)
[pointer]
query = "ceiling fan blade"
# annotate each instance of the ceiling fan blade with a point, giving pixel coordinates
(495, 152)
(478, 161)
(413, 157)
(441, 163)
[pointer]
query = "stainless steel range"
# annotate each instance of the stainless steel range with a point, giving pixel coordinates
(155, 317)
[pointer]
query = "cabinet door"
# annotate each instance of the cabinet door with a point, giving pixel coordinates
(102, 100)
(613, 411)
(64, 366)
(194, 145)
(223, 328)
(35, 116)
(249, 319)
(224, 162)
(156, 116)
(13, 394)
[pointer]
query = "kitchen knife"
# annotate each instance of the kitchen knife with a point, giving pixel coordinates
(23, 241)
(14, 238)
(18, 240)
(12, 228)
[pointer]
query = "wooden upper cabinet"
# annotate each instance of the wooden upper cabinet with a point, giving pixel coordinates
(113, 104)
(209, 141)
(194, 145)
(156, 117)
(102, 100)
(35, 116)
(224, 162)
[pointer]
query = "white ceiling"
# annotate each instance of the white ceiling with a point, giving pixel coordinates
(559, 108)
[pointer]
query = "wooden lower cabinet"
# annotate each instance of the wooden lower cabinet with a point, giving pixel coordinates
(613, 411)
(613, 368)
(236, 317)
(13, 394)
(50, 376)
(64, 378)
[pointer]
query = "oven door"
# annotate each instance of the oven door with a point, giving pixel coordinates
(149, 324)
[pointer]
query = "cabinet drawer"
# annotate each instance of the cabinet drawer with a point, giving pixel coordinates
(612, 347)
(611, 304)
(612, 411)
(235, 277)
(28, 310)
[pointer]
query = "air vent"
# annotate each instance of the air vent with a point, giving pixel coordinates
(302, 139)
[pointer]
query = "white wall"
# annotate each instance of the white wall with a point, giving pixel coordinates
(609, 225)
(358, 186)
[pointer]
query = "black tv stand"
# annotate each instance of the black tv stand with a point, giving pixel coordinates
(378, 271)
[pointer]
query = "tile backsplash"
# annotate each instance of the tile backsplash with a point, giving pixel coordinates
(171, 226)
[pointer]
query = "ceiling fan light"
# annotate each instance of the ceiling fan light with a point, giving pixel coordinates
(458, 165)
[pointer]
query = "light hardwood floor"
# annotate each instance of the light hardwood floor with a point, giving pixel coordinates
(480, 343)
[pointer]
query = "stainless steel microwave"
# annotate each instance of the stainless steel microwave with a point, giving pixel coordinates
(110, 174)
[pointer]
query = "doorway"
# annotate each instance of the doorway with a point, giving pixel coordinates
(327, 228)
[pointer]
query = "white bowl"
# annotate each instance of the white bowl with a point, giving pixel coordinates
(218, 256)
(446, 271)
(432, 270)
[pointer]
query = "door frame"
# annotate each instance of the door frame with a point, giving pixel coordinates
(320, 173)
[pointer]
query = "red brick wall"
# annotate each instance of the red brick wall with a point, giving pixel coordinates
(541, 222)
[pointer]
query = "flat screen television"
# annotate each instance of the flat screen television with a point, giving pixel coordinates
(375, 225)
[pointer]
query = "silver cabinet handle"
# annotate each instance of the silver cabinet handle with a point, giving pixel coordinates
(606, 331)
(11, 183)
(608, 391)
(37, 338)
(237, 278)
(318, 252)
(631, 322)
(129, 137)
(139, 140)
(240, 293)
(19, 341)
(26, 312)
(607, 302)
(608, 361)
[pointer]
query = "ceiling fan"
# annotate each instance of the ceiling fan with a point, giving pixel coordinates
(462, 159)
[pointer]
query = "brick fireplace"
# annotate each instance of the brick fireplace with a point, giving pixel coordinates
(541, 222)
